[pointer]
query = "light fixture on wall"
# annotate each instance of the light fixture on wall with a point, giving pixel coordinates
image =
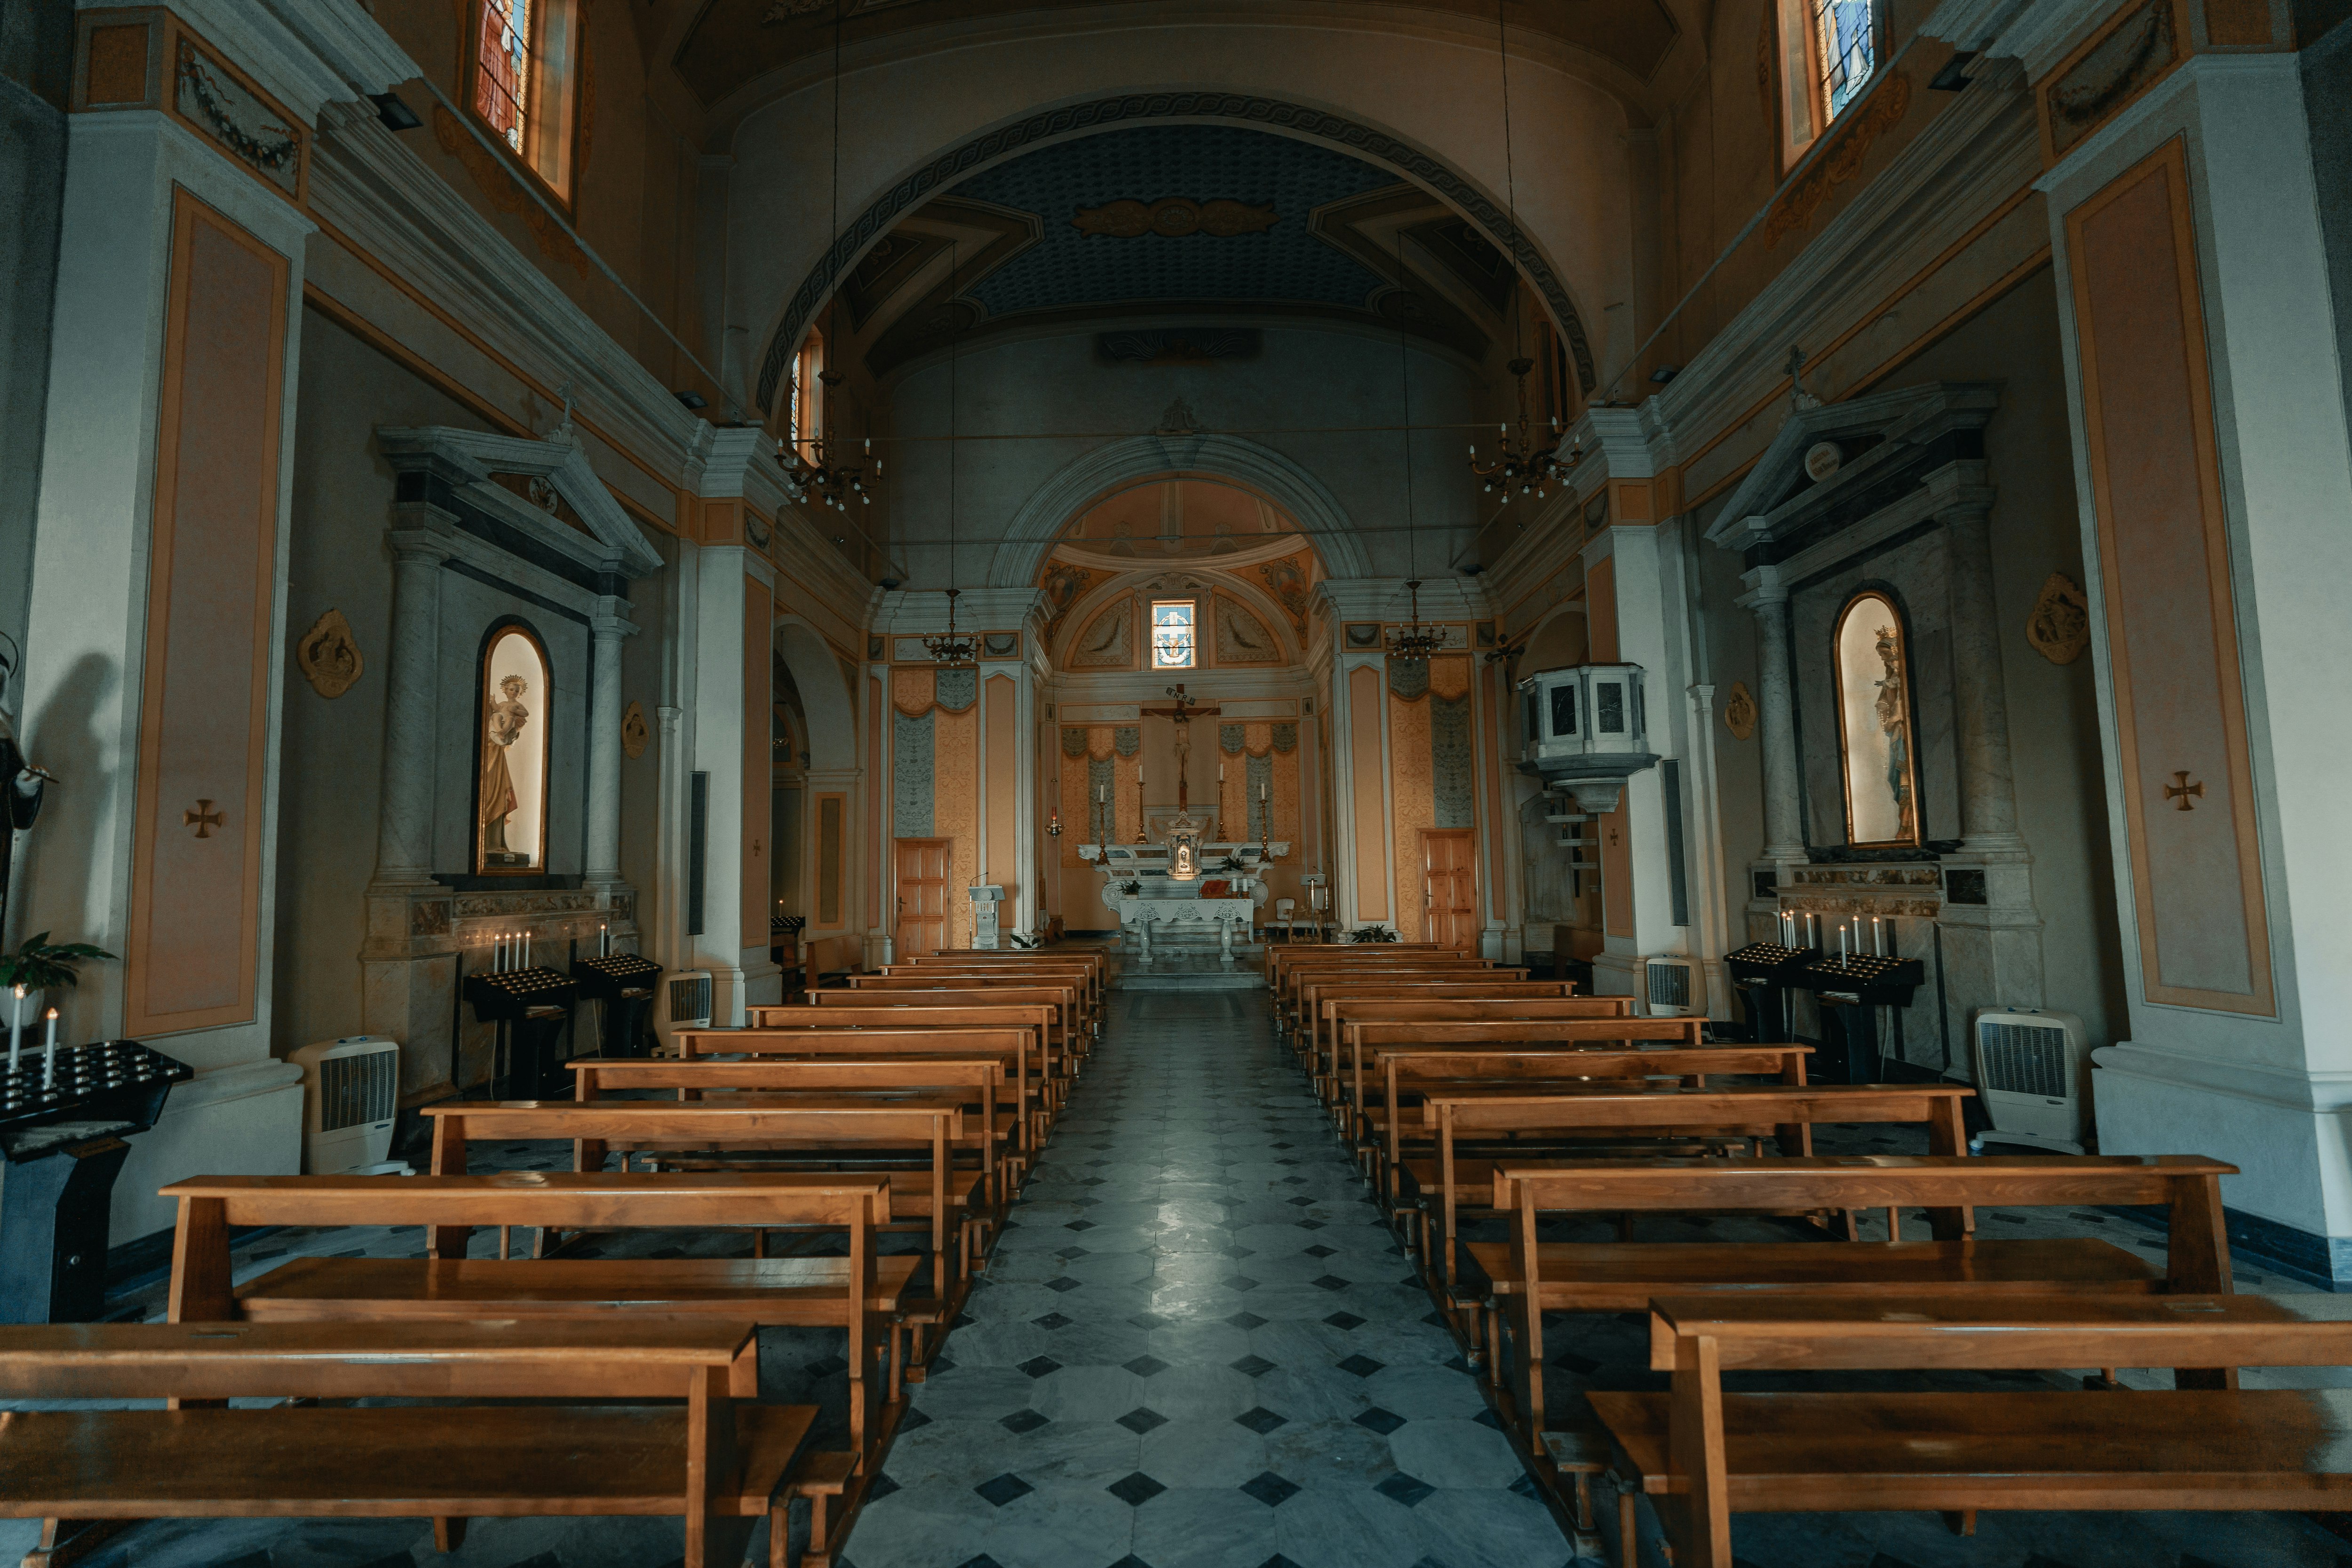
(1520, 463)
(819, 473)
(950, 650)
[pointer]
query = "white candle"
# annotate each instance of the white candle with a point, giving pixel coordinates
(604, 941)
(16, 1028)
(526, 950)
(1877, 936)
(50, 1053)
(1221, 773)
(1841, 944)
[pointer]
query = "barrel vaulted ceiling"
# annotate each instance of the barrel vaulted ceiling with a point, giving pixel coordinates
(1223, 226)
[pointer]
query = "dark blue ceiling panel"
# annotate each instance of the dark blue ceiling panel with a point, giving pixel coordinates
(1285, 264)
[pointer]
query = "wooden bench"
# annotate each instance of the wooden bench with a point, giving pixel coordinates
(816, 1133)
(645, 1426)
(938, 1010)
(1423, 1071)
(1528, 1278)
(1282, 963)
(1290, 1012)
(1321, 1000)
(1500, 1114)
(1337, 1009)
(1016, 1048)
(771, 1081)
(1704, 1455)
(1096, 963)
(923, 991)
(1039, 1075)
(1277, 959)
(446, 1285)
(1086, 980)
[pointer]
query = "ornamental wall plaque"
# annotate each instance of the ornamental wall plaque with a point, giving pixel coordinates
(1739, 712)
(1173, 217)
(634, 736)
(2058, 626)
(328, 655)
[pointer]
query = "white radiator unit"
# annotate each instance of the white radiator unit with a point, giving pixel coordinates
(350, 1093)
(2033, 1072)
(682, 1001)
(1669, 985)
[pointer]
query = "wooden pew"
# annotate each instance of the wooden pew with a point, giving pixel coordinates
(1731, 1113)
(922, 1197)
(1338, 1006)
(1290, 1012)
(1017, 1044)
(856, 1294)
(1320, 1000)
(1061, 1041)
(1044, 1060)
(1279, 957)
(1092, 978)
(1542, 1069)
(1704, 1455)
(1094, 961)
(1086, 1023)
(646, 1426)
(980, 1079)
(1530, 1278)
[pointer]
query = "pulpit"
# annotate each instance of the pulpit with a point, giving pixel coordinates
(986, 903)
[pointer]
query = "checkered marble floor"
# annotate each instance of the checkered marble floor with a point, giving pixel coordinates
(1199, 1346)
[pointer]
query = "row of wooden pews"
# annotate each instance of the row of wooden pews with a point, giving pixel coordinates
(860, 1146)
(1529, 1143)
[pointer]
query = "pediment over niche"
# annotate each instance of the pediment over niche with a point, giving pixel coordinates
(545, 489)
(1837, 463)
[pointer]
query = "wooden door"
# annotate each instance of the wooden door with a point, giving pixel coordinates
(922, 879)
(1449, 865)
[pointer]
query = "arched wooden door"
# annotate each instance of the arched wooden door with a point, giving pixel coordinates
(1449, 867)
(922, 883)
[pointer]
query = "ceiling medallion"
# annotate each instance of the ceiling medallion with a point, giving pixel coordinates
(1173, 217)
(1416, 639)
(949, 650)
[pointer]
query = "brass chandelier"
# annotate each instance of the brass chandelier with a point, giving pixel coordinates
(821, 474)
(1417, 640)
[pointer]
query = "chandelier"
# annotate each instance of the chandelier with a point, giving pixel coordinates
(948, 648)
(1417, 640)
(1522, 464)
(820, 474)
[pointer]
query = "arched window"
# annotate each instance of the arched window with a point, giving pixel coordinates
(511, 799)
(526, 82)
(1876, 749)
(1829, 53)
(804, 410)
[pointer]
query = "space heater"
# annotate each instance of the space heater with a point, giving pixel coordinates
(682, 1001)
(1668, 983)
(350, 1093)
(2032, 1072)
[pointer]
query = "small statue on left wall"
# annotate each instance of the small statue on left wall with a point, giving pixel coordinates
(504, 726)
(21, 782)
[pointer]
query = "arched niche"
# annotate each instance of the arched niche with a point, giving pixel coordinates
(1878, 764)
(513, 713)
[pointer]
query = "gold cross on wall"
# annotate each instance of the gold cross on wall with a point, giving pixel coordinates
(204, 819)
(2180, 789)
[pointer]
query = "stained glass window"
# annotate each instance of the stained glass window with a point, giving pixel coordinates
(526, 67)
(1845, 34)
(1171, 634)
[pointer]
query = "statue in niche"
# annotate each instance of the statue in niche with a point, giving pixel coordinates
(1874, 724)
(501, 728)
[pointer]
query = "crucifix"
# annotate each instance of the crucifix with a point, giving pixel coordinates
(1797, 396)
(1184, 709)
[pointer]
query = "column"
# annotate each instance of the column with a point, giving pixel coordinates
(606, 627)
(1988, 790)
(1628, 608)
(404, 848)
(1768, 596)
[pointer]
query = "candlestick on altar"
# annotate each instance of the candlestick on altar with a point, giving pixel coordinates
(50, 1053)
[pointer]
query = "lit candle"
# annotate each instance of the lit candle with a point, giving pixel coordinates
(16, 1028)
(526, 950)
(1877, 936)
(50, 1053)
(604, 941)
(1841, 944)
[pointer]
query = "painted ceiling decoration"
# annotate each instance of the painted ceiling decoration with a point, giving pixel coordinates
(1353, 160)
(730, 44)
(1173, 217)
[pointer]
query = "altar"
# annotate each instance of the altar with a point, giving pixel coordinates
(1149, 888)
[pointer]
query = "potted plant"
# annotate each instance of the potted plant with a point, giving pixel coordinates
(40, 966)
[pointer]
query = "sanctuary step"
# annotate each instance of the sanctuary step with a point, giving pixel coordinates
(1185, 970)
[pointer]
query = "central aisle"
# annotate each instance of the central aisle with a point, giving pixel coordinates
(1199, 1346)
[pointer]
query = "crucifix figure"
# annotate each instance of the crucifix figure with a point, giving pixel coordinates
(1797, 396)
(1184, 709)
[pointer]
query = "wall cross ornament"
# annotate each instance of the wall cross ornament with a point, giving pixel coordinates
(2180, 789)
(1739, 712)
(328, 655)
(204, 819)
